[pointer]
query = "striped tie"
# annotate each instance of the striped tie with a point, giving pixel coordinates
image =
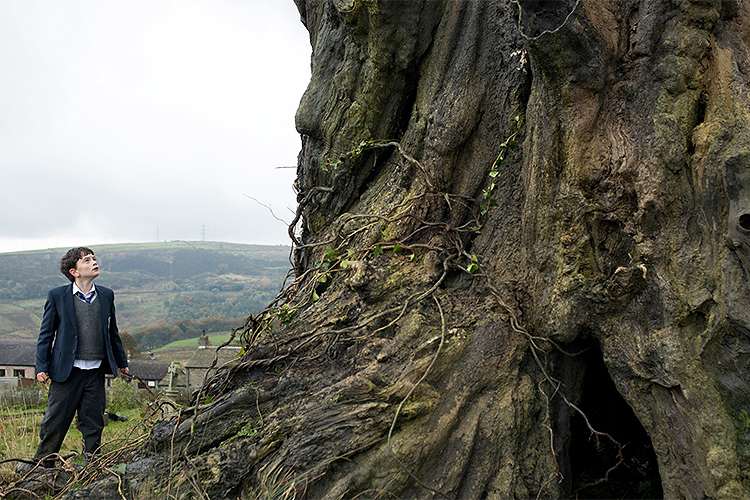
(86, 298)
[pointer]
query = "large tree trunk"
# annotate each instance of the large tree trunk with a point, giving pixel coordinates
(467, 327)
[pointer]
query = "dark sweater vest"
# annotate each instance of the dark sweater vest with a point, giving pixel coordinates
(90, 337)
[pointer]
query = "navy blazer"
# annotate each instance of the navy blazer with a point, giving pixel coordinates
(58, 336)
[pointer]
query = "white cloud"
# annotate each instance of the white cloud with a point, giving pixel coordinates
(148, 114)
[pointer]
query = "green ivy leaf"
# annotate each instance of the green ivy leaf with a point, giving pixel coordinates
(330, 163)
(397, 248)
(287, 315)
(331, 254)
(377, 251)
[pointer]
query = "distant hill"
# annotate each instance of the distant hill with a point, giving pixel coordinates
(184, 349)
(153, 282)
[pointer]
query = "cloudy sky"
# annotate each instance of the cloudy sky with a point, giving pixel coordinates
(137, 120)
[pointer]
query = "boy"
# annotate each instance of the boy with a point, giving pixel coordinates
(78, 344)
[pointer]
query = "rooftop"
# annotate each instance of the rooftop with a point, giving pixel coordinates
(204, 356)
(18, 352)
(148, 369)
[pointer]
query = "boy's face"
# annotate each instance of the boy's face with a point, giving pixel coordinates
(86, 268)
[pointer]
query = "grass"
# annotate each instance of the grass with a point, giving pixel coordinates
(19, 434)
(19, 429)
(7, 308)
(26, 304)
(216, 339)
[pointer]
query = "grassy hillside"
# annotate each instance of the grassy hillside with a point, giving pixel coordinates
(184, 349)
(154, 282)
(216, 339)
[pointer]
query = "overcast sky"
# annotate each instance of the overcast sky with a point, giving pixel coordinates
(132, 120)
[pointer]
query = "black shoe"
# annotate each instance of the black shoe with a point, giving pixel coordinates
(27, 466)
(23, 468)
(114, 417)
(89, 456)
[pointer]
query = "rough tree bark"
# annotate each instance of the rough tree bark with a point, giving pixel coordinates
(466, 326)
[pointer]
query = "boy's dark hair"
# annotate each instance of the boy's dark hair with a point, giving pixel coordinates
(70, 259)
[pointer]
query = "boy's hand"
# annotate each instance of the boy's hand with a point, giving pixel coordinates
(124, 372)
(42, 377)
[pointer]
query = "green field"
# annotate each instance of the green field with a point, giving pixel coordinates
(216, 339)
(154, 283)
(19, 432)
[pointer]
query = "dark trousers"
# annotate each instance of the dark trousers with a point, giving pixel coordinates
(82, 392)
